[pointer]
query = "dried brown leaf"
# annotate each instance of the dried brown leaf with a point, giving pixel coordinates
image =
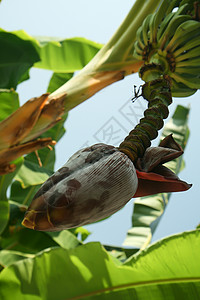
(18, 125)
(10, 154)
(49, 116)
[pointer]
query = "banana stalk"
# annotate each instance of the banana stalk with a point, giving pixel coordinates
(158, 94)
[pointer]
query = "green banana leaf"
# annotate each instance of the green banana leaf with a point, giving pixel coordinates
(148, 210)
(8, 257)
(5, 181)
(81, 233)
(9, 102)
(32, 174)
(65, 239)
(17, 56)
(122, 254)
(20, 51)
(168, 269)
(21, 195)
(25, 240)
(57, 80)
(65, 55)
(61, 55)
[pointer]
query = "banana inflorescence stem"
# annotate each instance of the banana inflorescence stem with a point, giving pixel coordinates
(157, 92)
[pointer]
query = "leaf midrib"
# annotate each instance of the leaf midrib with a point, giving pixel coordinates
(136, 284)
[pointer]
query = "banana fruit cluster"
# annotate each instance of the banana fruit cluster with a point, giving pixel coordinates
(172, 40)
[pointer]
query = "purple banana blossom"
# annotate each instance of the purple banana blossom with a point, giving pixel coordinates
(98, 181)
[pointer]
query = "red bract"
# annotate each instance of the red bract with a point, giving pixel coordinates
(155, 178)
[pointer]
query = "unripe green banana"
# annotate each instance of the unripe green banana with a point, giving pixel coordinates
(188, 80)
(164, 25)
(190, 45)
(139, 38)
(145, 29)
(153, 25)
(190, 63)
(172, 40)
(181, 90)
(191, 53)
(137, 48)
(170, 19)
(171, 28)
(191, 70)
(189, 31)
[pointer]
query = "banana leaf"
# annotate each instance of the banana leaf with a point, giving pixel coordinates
(5, 181)
(168, 269)
(17, 57)
(8, 257)
(9, 102)
(57, 80)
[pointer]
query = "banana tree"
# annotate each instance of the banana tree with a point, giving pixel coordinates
(99, 180)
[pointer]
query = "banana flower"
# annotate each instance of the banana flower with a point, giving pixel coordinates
(98, 181)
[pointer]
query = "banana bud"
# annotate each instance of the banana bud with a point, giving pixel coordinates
(98, 181)
(173, 41)
(94, 183)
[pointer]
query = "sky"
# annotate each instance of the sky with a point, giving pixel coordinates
(106, 112)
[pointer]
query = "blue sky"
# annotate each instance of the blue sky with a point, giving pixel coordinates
(94, 120)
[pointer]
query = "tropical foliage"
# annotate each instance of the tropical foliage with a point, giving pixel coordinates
(62, 265)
